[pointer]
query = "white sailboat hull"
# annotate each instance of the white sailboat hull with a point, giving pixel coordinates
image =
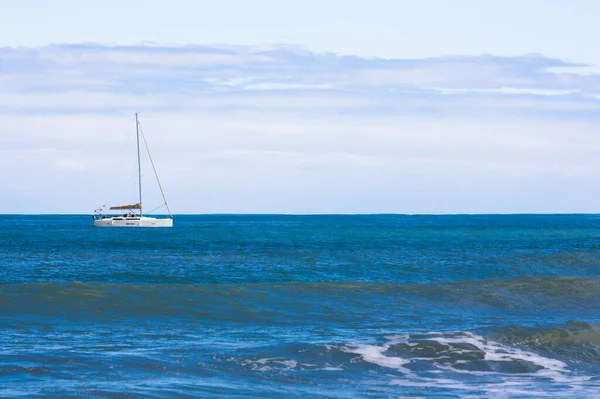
(133, 222)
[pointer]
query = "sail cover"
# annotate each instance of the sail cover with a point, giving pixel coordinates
(132, 206)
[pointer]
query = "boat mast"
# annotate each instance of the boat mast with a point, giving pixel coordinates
(137, 133)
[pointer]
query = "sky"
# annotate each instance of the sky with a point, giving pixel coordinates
(316, 107)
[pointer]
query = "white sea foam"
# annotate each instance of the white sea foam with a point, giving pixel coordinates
(375, 353)
(330, 368)
(495, 351)
(271, 363)
(467, 364)
(551, 374)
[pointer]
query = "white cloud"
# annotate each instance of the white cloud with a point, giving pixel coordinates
(508, 91)
(247, 129)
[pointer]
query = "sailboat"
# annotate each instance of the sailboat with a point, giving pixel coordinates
(130, 218)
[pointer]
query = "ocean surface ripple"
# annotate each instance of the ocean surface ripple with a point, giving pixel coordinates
(381, 306)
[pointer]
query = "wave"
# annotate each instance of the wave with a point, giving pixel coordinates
(504, 362)
(574, 333)
(457, 363)
(552, 293)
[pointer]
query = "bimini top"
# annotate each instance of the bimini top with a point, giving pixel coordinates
(132, 206)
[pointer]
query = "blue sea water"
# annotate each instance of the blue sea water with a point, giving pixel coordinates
(385, 306)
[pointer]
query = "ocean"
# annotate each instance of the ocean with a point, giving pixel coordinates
(221, 306)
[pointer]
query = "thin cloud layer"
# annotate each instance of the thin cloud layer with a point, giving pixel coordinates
(106, 79)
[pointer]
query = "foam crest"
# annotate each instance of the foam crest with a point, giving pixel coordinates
(375, 354)
(497, 352)
(455, 361)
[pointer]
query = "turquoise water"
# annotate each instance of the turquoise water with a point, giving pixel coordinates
(301, 306)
